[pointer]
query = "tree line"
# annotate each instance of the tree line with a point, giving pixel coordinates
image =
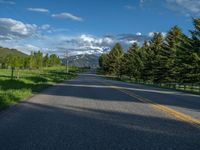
(174, 58)
(34, 61)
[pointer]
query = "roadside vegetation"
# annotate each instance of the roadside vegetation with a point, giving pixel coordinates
(22, 76)
(172, 60)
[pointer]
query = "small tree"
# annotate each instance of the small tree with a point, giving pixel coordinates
(13, 62)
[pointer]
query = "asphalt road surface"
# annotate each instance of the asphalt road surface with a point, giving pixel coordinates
(92, 113)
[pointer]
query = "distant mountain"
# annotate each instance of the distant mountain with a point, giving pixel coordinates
(84, 60)
(6, 51)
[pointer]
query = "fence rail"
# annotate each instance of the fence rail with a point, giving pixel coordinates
(187, 87)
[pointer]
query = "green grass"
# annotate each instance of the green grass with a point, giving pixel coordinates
(29, 83)
(178, 87)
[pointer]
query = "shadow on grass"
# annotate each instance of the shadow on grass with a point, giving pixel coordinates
(17, 84)
(37, 79)
(12, 91)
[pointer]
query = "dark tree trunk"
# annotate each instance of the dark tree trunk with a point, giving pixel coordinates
(12, 73)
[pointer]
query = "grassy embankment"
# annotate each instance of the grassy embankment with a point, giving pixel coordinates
(188, 88)
(29, 83)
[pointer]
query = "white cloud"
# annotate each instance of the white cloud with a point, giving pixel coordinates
(45, 26)
(7, 2)
(87, 38)
(82, 44)
(27, 48)
(30, 37)
(66, 15)
(131, 42)
(151, 34)
(10, 28)
(188, 7)
(23, 47)
(164, 34)
(41, 10)
(138, 33)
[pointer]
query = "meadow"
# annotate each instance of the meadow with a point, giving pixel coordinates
(29, 82)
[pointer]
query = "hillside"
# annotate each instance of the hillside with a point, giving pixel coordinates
(6, 51)
(85, 60)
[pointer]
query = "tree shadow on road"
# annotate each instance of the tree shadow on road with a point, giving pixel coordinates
(98, 91)
(69, 127)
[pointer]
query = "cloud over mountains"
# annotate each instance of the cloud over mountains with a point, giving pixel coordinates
(16, 34)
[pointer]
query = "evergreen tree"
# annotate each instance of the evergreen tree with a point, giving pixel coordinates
(168, 69)
(104, 62)
(46, 60)
(133, 62)
(152, 64)
(189, 56)
(114, 59)
(144, 57)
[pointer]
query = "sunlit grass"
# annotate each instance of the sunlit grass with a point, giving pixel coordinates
(29, 82)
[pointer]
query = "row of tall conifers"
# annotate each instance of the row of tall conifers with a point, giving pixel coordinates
(34, 61)
(174, 58)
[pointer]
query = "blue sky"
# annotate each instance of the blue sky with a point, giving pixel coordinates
(89, 26)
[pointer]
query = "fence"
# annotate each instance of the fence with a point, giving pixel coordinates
(188, 87)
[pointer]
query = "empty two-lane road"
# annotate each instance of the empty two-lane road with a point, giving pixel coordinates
(92, 113)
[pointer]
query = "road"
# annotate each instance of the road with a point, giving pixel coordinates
(92, 113)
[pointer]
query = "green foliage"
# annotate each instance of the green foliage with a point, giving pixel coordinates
(54, 60)
(114, 59)
(170, 59)
(168, 55)
(16, 60)
(133, 62)
(31, 81)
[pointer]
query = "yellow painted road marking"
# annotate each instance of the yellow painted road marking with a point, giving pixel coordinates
(170, 111)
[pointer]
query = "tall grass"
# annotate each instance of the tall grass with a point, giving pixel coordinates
(29, 83)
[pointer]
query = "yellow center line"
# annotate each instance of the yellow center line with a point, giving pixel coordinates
(179, 115)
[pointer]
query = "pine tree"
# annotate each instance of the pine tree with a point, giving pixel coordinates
(46, 60)
(144, 57)
(104, 63)
(168, 68)
(114, 59)
(133, 62)
(196, 48)
(152, 64)
(188, 58)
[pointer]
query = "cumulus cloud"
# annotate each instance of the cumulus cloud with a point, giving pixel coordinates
(7, 2)
(41, 10)
(89, 44)
(84, 44)
(66, 15)
(30, 37)
(10, 28)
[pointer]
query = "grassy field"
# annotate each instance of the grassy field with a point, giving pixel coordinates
(29, 83)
